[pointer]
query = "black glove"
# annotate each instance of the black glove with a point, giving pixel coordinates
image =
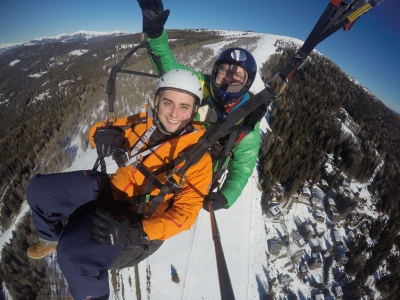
(154, 17)
(108, 140)
(117, 228)
(217, 200)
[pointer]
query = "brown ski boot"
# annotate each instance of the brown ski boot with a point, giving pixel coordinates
(41, 249)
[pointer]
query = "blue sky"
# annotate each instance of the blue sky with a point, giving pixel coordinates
(369, 52)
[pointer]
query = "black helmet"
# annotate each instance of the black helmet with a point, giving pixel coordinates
(234, 56)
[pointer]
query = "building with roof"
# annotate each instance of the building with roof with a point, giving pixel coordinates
(315, 260)
(274, 246)
(342, 259)
(285, 279)
(318, 216)
(305, 192)
(319, 297)
(299, 240)
(274, 211)
(337, 238)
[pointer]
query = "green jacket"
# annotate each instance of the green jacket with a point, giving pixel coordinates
(244, 156)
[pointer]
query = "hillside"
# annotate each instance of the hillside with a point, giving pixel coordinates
(323, 191)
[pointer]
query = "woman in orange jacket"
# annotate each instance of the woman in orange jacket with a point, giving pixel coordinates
(118, 221)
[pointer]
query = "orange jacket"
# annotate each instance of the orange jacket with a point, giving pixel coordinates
(127, 182)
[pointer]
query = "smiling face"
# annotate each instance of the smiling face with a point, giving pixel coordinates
(230, 74)
(175, 109)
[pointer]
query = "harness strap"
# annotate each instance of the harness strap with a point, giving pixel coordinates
(142, 140)
(169, 186)
(134, 161)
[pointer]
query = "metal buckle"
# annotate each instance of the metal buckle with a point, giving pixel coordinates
(173, 182)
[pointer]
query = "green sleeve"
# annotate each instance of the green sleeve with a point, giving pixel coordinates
(241, 166)
(160, 47)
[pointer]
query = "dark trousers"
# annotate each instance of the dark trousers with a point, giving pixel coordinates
(84, 262)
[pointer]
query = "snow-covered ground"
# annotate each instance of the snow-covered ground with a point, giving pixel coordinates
(37, 75)
(14, 62)
(41, 96)
(78, 52)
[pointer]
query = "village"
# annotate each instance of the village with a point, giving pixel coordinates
(309, 235)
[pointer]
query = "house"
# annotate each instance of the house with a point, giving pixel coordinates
(317, 193)
(299, 240)
(297, 256)
(303, 270)
(337, 238)
(315, 245)
(285, 279)
(338, 292)
(316, 260)
(324, 183)
(342, 259)
(318, 216)
(351, 235)
(331, 204)
(316, 202)
(319, 297)
(317, 196)
(274, 246)
(278, 187)
(274, 211)
(307, 229)
(305, 192)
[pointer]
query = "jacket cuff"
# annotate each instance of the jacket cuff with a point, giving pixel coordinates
(157, 39)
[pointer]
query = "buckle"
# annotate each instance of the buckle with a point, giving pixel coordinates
(170, 179)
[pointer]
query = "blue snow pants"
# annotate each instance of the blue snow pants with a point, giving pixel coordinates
(73, 196)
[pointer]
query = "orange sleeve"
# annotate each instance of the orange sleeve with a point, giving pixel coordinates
(186, 205)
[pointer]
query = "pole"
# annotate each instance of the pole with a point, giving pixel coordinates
(225, 285)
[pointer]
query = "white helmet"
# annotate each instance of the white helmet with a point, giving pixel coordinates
(181, 79)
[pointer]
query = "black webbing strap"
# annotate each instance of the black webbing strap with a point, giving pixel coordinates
(110, 89)
(227, 151)
(335, 16)
(170, 186)
(100, 161)
(216, 131)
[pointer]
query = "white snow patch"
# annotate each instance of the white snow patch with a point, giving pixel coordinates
(37, 75)
(65, 82)
(14, 62)
(216, 47)
(41, 96)
(78, 52)
(6, 236)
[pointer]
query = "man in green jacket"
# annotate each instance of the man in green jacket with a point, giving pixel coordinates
(224, 91)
